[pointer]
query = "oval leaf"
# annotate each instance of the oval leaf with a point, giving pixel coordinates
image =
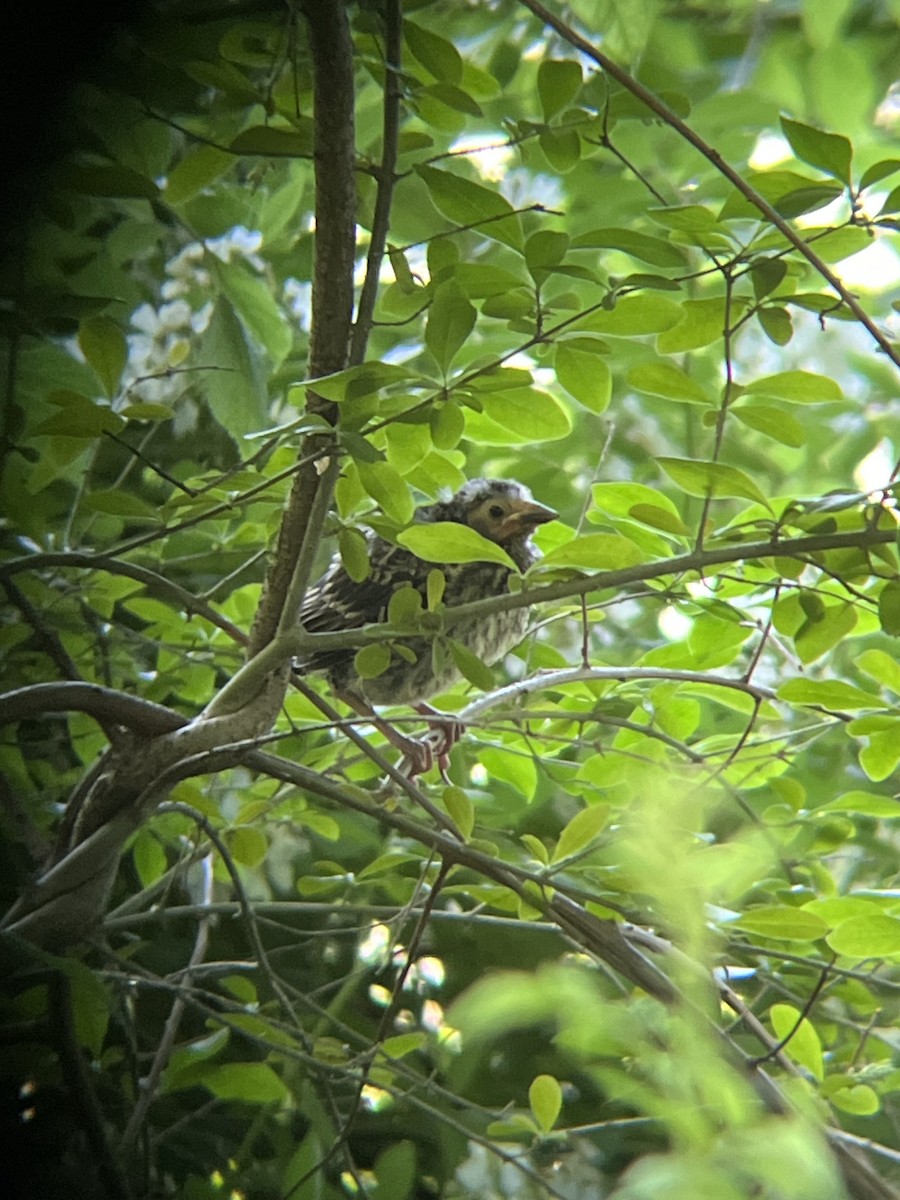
(450, 542)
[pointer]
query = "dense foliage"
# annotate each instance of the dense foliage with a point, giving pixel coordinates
(643, 940)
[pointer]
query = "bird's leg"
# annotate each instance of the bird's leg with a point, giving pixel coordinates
(418, 752)
(444, 732)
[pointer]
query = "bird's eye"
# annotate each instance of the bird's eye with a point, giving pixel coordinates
(495, 511)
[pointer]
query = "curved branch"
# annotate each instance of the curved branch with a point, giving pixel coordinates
(551, 679)
(105, 705)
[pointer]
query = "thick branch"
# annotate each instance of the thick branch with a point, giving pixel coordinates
(105, 705)
(332, 304)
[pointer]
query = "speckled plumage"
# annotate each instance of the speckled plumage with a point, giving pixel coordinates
(501, 510)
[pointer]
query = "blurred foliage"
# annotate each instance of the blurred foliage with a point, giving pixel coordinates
(574, 297)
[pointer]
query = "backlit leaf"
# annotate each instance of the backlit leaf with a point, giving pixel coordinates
(830, 152)
(699, 477)
(559, 81)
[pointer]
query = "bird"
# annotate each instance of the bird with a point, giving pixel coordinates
(501, 510)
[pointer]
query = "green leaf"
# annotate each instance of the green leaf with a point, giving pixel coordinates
(466, 203)
(269, 142)
(618, 499)
(584, 828)
(766, 274)
(639, 245)
(439, 57)
(866, 937)
(519, 415)
(354, 551)
(687, 218)
(248, 846)
(452, 97)
(781, 923)
(461, 809)
(113, 181)
(448, 424)
(804, 1046)
(665, 379)
(186, 1061)
(450, 542)
(830, 152)
(435, 584)
(831, 694)
(702, 323)
(513, 767)
(878, 171)
(634, 316)
(595, 551)
(561, 147)
(857, 1098)
(776, 324)
(149, 857)
(545, 249)
(200, 167)
(656, 517)
(387, 488)
(867, 804)
(889, 607)
(774, 422)
(480, 280)
(252, 298)
(585, 375)
(558, 81)
(236, 390)
(879, 758)
(246, 1082)
(103, 344)
(699, 477)
(881, 666)
(372, 661)
(824, 630)
(395, 1168)
(79, 417)
(798, 387)
(451, 318)
(118, 503)
(471, 667)
(545, 1101)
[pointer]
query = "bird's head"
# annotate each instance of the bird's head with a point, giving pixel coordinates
(499, 509)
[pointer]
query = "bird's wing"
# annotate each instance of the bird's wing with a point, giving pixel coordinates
(338, 602)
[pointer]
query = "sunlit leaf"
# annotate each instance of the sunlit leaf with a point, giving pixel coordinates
(866, 937)
(450, 542)
(782, 924)
(718, 480)
(545, 1101)
(584, 374)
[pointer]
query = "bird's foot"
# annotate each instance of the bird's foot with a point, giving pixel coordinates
(444, 732)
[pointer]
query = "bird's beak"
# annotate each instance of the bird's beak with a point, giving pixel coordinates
(530, 513)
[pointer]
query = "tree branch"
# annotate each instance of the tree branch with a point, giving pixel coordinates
(332, 305)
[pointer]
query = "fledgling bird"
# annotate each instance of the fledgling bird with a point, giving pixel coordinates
(502, 511)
